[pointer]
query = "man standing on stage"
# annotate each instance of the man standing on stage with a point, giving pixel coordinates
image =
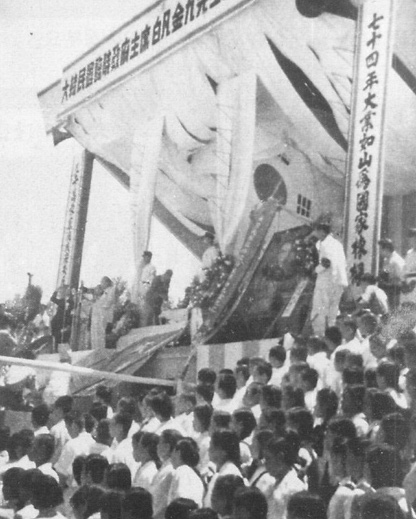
(156, 295)
(391, 275)
(146, 279)
(62, 320)
(330, 282)
(211, 253)
(409, 270)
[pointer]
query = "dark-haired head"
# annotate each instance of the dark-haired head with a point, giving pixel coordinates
(207, 377)
(249, 503)
(223, 493)
(271, 396)
(301, 421)
(385, 466)
(202, 417)
(379, 506)
(137, 504)
(305, 505)
(180, 508)
(273, 419)
(119, 477)
(86, 501)
(46, 493)
(110, 504)
(185, 453)
(224, 446)
(326, 404)
(40, 416)
(96, 467)
(281, 454)
(243, 423)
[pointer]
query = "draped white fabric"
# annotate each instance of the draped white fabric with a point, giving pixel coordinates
(143, 174)
(236, 119)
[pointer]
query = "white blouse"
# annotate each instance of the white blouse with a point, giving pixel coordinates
(186, 483)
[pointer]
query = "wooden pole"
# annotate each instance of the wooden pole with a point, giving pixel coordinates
(86, 372)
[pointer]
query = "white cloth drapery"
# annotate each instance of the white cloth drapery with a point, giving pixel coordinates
(143, 173)
(236, 118)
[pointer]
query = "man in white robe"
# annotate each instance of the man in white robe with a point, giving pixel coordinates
(211, 253)
(148, 274)
(102, 313)
(330, 282)
(409, 271)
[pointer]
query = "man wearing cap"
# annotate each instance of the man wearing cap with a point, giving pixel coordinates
(391, 275)
(210, 255)
(409, 270)
(330, 282)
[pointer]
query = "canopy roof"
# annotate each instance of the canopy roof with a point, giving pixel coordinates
(304, 69)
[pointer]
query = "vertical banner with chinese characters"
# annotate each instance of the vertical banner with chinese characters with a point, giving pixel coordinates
(365, 163)
(75, 220)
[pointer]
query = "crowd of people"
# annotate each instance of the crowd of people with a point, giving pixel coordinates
(323, 428)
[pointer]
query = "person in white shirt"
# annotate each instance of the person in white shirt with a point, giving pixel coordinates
(163, 479)
(47, 497)
(353, 406)
(148, 273)
(252, 399)
(368, 324)
(257, 473)
(309, 381)
(24, 508)
(104, 395)
(373, 297)
(281, 454)
(40, 417)
(391, 274)
(186, 482)
(79, 428)
(224, 452)
(59, 431)
(85, 502)
(338, 473)
(318, 359)
(241, 376)
(226, 388)
(202, 422)
(330, 282)
(128, 405)
(19, 447)
(41, 454)
(223, 494)
(162, 407)
(388, 375)
(121, 450)
(277, 358)
(209, 256)
(145, 453)
(243, 424)
(185, 404)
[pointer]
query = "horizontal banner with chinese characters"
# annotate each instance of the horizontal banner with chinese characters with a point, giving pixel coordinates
(366, 157)
(141, 42)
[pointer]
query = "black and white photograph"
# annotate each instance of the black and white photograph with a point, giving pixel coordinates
(208, 260)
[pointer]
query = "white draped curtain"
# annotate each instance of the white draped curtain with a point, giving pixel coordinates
(143, 174)
(236, 120)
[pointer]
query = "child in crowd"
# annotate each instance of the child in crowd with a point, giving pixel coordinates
(145, 453)
(201, 425)
(186, 481)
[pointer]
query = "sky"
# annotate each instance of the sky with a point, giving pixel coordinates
(37, 39)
